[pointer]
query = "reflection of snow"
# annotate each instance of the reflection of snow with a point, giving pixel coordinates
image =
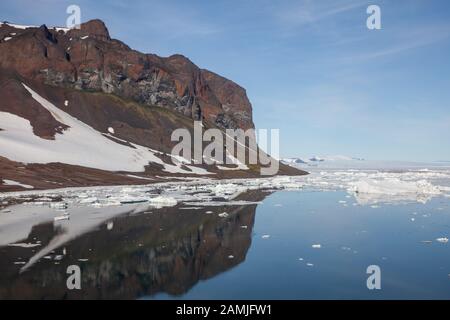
(88, 208)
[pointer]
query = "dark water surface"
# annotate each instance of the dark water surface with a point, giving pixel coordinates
(259, 251)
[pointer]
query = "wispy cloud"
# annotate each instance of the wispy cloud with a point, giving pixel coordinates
(400, 41)
(308, 12)
(169, 19)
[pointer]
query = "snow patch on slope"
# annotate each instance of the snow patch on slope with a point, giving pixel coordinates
(15, 183)
(79, 145)
(24, 27)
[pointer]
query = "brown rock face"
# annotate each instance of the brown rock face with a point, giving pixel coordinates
(88, 59)
(103, 83)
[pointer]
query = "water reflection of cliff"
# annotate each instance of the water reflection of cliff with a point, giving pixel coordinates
(166, 250)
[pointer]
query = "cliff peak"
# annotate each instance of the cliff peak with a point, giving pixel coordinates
(95, 27)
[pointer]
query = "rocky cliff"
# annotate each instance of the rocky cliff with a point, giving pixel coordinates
(108, 108)
(88, 59)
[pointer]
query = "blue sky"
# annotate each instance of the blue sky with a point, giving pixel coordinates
(311, 67)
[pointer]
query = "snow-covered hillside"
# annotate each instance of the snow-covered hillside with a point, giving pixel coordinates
(78, 145)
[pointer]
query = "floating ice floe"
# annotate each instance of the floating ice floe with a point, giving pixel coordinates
(316, 246)
(393, 186)
(266, 236)
(442, 240)
(223, 215)
(62, 218)
(24, 245)
(59, 205)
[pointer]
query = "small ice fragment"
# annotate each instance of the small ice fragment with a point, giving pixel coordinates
(83, 260)
(66, 103)
(61, 218)
(442, 240)
(413, 219)
(342, 201)
(310, 264)
(278, 205)
(374, 207)
(300, 259)
(110, 225)
(19, 262)
(24, 245)
(230, 257)
(244, 227)
(316, 246)
(223, 215)
(58, 205)
(111, 130)
(58, 258)
(208, 212)
(266, 236)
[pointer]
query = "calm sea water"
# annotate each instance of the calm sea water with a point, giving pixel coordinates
(351, 239)
(262, 251)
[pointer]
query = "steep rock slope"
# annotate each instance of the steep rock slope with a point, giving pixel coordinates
(88, 59)
(56, 82)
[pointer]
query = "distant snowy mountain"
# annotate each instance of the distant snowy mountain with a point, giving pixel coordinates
(346, 162)
(316, 160)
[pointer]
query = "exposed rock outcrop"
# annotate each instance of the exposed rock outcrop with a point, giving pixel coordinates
(88, 59)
